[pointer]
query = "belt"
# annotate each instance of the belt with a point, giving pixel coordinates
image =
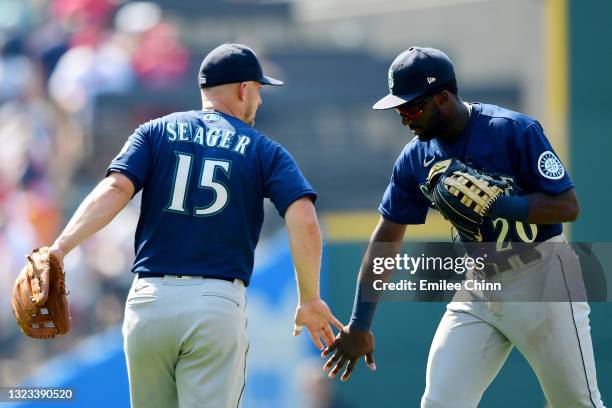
(514, 262)
(161, 275)
(526, 254)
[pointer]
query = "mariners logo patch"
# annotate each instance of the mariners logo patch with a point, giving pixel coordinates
(549, 166)
(390, 79)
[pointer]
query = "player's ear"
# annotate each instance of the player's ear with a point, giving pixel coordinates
(242, 91)
(442, 98)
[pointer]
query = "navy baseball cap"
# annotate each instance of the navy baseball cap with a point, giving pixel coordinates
(414, 73)
(231, 63)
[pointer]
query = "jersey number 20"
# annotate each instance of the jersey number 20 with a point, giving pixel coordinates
(519, 229)
(207, 180)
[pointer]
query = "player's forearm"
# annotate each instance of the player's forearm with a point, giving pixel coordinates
(306, 248)
(549, 209)
(366, 298)
(538, 208)
(94, 213)
(386, 241)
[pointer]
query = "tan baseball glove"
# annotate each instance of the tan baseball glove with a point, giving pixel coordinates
(39, 299)
(463, 195)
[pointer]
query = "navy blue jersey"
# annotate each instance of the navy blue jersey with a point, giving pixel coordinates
(204, 176)
(507, 145)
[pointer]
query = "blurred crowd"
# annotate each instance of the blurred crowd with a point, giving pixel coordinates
(56, 58)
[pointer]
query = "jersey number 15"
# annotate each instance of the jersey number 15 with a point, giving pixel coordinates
(207, 180)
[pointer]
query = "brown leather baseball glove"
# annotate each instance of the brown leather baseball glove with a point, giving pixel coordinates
(39, 299)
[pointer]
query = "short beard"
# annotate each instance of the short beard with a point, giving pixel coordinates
(437, 126)
(250, 116)
(440, 128)
(250, 120)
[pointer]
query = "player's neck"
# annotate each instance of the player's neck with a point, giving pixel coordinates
(220, 106)
(461, 116)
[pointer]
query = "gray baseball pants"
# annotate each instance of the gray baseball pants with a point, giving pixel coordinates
(185, 342)
(474, 339)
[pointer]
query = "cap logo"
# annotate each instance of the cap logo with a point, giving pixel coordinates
(431, 80)
(203, 79)
(390, 79)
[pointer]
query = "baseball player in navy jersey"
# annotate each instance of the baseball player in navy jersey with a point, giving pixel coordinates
(204, 175)
(474, 338)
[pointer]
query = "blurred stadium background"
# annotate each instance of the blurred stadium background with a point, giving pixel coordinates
(77, 76)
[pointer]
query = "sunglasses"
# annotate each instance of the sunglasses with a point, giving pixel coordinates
(413, 110)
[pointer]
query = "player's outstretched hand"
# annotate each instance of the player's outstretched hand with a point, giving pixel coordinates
(350, 345)
(316, 317)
